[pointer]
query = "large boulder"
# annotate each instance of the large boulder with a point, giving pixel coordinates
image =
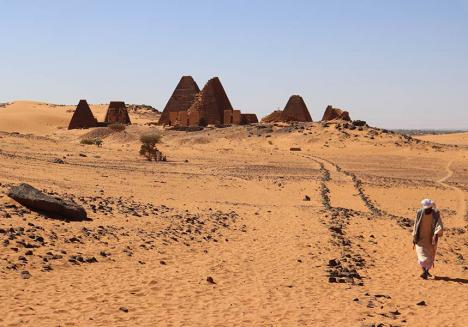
(335, 114)
(36, 200)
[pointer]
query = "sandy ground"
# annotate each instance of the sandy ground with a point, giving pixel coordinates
(221, 235)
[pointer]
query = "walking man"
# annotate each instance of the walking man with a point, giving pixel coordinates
(428, 228)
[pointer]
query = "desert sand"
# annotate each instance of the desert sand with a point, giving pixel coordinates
(221, 234)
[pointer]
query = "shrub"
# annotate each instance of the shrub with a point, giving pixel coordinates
(151, 139)
(148, 147)
(117, 127)
(92, 141)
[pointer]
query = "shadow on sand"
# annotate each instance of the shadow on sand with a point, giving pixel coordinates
(449, 279)
(48, 215)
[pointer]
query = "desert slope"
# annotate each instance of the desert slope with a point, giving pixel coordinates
(452, 138)
(222, 234)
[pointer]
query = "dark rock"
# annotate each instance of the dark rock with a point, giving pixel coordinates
(210, 280)
(25, 274)
(34, 199)
(306, 198)
(332, 280)
(359, 123)
(58, 161)
(124, 309)
(76, 259)
(90, 260)
(333, 262)
(421, 303)
(295, 149)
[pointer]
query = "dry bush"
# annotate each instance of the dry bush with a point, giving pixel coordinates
(148, 147)
(92, 141)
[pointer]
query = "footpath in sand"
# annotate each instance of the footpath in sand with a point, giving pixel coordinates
(223, 234)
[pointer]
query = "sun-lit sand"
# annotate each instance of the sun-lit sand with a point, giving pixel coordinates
(221, 235)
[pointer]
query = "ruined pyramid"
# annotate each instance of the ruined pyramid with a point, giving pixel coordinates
(335, 114)
(296, 110)
(117, 113)
(181, 99)
(82, 117)
(211, 103)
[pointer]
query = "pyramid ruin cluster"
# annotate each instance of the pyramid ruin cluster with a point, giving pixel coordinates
(188, 106)
(83, 116)
(296, 111)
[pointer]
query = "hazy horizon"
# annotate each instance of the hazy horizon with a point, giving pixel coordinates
(399, 64)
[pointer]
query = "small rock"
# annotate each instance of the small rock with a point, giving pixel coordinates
(306, 198)
(124, 309)
(333, 263)
(58, 161)
(25, 274)
(210, 280)
(90, 260)
(421, 303)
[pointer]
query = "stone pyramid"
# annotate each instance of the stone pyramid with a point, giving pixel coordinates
(296, 110)
(211, 103)
(82, 117)
(117, 113)
(335, 114)
(181, 98)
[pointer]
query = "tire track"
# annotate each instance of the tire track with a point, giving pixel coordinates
(461, 212)
(376, 211)
(343, 269)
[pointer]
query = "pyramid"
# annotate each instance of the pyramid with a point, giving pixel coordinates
(211, 103)
(247, 119)
(296, 110)
(335, 114)
(82, 117)
(117, 113)
(181, 98)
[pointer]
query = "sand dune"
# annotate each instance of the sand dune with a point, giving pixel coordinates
(229, 205)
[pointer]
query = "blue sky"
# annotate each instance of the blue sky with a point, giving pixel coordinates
(392, 63)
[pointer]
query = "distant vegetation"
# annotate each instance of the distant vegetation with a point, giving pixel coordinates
(149, 149)
(92, 141)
